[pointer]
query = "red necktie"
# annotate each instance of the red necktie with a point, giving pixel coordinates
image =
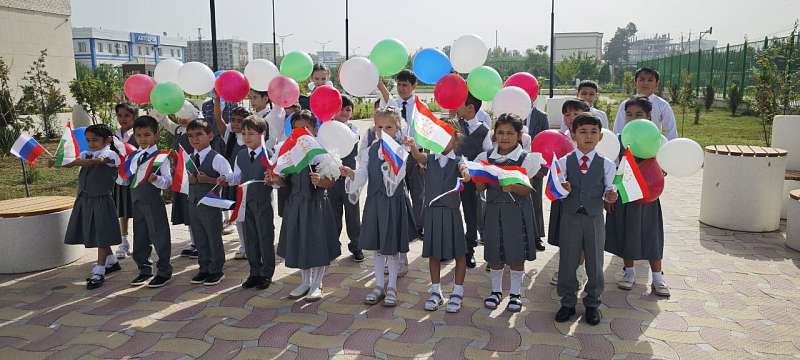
(584, 164)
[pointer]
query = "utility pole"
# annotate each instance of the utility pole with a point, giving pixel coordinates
(200, 44)
(552, 43)
(346, 29)
(274, 42)
(213, 36)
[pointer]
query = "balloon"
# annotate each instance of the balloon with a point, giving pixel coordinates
(653, 177)
(451, 92)
(297, 65)
(430, 65)
(664, 140)
(187, 111)
(389, 56)
(643, 137)
(138, 87)
(526, 81)
(196, 78)
(259, 73)
(358, 76)
(167, 71)
(680, 157)
(549, 142)
(167, 98)
(232, 86)
(337, 138)
(608, 145)
(484, 82)
(468, 52)
(283, 91)
(511, 100)
(325, 102)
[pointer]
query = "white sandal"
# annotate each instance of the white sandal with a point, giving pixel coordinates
(390, 300)
(375, 296)
(454, 303)
(433, 302)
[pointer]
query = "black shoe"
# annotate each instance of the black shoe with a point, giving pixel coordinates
(199, 278)
(213, 279)
(188, 251)
(264, 283)
(592, 316)
(358, 256)
(539, 245)
(251, 282)
(141, 280)
(471, 261)
(94, 282)
(159, 281)
(564, 314)
(194, 253)
(113, 268)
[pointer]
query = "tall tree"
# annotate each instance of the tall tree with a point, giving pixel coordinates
(617, 48)
(40, 94)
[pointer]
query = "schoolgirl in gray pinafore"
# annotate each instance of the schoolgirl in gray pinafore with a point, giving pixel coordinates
(93, 222)
(443, 227)
(387, 224)
(509, 225)
(180, 201)
(308, 234)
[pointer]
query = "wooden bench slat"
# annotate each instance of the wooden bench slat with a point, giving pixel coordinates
(792, 175)
(795, 194)
(759, 151)
(35, 206)
(723, 150)
(747, 151)
(734, 150)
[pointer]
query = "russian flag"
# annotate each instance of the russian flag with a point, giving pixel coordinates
(554, 190)
(393, 152)
(263, 157)
(480, 173)
(214, 200)
(27, 148)
(127, 168)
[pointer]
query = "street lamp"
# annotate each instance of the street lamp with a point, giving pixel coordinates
(213, 35)
(346, 29)
(274, 43)
(699, 53)
(323, 43)
(283, 43)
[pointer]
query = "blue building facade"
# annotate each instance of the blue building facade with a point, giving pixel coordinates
(95, 46)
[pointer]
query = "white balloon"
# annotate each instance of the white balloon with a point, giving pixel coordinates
(336, 138)
(259, 73)
(468, 52)
(609, 145)
(511, 100)
(358, 76)
(167, 71)
(680, 157)
(187, 111)
(196, 78)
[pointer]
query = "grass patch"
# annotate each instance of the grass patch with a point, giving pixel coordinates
(46, 181)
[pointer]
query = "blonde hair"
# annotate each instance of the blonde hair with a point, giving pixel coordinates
(390, 112)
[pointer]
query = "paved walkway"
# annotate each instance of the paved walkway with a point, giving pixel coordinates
(734, 295)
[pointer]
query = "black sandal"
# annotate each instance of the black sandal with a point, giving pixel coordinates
(514, 303)
(493, 300)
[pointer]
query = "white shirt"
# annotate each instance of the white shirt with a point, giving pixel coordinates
(484, 118)
(609, 168)
(125, 137)
(275, 121)
(411, 108)
(532, 163)
(104, 153)
(219, 164)
(164, 176)
(661, 115)
(600, 114)
(443, 159)
(474, 124)
(236, 176)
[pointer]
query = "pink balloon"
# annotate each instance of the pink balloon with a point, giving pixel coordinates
(526, 81)
(451, 91)
(232, 86)
(138, 88)
(551, 141)
(325, 102)
(283, 91)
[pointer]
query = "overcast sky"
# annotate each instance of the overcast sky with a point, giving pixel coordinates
(520, 24)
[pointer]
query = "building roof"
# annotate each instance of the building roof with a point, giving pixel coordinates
(117, 35)
(59, 7)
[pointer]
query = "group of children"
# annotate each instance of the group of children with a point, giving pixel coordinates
(411, 202)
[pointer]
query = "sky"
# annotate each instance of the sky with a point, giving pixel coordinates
(512, 24)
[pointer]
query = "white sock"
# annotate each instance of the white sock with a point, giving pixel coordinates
(380, 263)
(516, 281)
(124, 242)
(405, 258)
(319, 276)
(497, 280)
(240, 231)
(630, 273)
(458, 290)
(436, 288)
(394, 269)
(191, 238)
(306, 274)
(111, 260)
(98, 269)
(658, 277)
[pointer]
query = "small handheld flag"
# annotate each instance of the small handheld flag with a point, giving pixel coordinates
(238, 213)
(629, 181)
(393, 152)
(430, 132)
(68, 147)
(297, 152)
(214, 200)
(554, 190)
(456, 189)
(27, 148)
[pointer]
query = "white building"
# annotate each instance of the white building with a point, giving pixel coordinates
(572, 44)
(329, 58)
(231, 54)
(95, 46)
(265, 51)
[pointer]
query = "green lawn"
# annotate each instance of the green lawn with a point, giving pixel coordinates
(46, 181)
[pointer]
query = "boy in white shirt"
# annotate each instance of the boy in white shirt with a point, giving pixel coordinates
(646, 82)
(588, 91)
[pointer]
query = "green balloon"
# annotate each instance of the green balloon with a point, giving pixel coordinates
(297, 65)
(389, 56)
(167, 98)
(643, 138)
(484, 82)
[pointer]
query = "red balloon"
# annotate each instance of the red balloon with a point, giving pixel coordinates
(549, 142)
(325, 102)
(653, 177)
(526, 81)
(232, 86)
(451, 91)
(138, 88)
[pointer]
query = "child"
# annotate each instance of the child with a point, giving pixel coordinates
(258, 226)
(636, 231)
(126, 114)
(150, 225)
(589, 92)
(387, 225)
(646, 82)
(274, 117)
(92, 222)
(308, 238)
(320, 75)
(588, 178)
(477, 139)
(537, 122)
(444, 230)
(233, 144)
(212, 170)
(339, 198)
(510, 228)
(570, 110)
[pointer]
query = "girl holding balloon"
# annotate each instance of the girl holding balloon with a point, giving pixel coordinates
(635, 230)
(126, 113)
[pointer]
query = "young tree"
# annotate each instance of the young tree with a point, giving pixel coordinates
(708, 97)
(566, 70)
(686, 98)
(605, 74)
(40, 95)
(767, 80)
(617, 48)
(8, 115)
(734, 97)
(537, 61)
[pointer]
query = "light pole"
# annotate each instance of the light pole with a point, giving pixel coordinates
(283, 43)
(274, 42)
(323, 43)
(213, 36)
(699, 54)
(552, 41)
(346, 29)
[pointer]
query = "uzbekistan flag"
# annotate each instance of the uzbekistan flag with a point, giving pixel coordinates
(27, 148)
(68, 147)
(458, 188)
(180, 176)
(151, 166)
(629, 181)
(214, 200)
(393, 152)
(554, 190)
(237, 215)
(430, 132)
(297, 152)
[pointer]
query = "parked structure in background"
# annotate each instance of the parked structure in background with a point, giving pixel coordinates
(232, 54)
(265, 51)
(329, 58)
(575, 43)
(95, 46)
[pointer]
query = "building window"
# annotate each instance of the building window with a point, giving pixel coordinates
(148, 50)
(179, 52)
(117, 49)
(82, 47)
(139, 50)
(172, 52)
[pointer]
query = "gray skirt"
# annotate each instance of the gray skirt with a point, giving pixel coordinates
(509, 233)
(123, 201)
(444, 234)
(635, 232)
(180, 209)
(308, 235)
(93, 222)
(387, 224)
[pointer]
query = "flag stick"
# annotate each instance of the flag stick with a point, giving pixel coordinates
(311, 171)
(25, 178)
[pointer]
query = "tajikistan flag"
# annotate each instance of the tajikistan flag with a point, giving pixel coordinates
(68, 147)
(183, 166)
(297, 152)
(430, 132)
(629, 180)
(149, 167)
(238, 213)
